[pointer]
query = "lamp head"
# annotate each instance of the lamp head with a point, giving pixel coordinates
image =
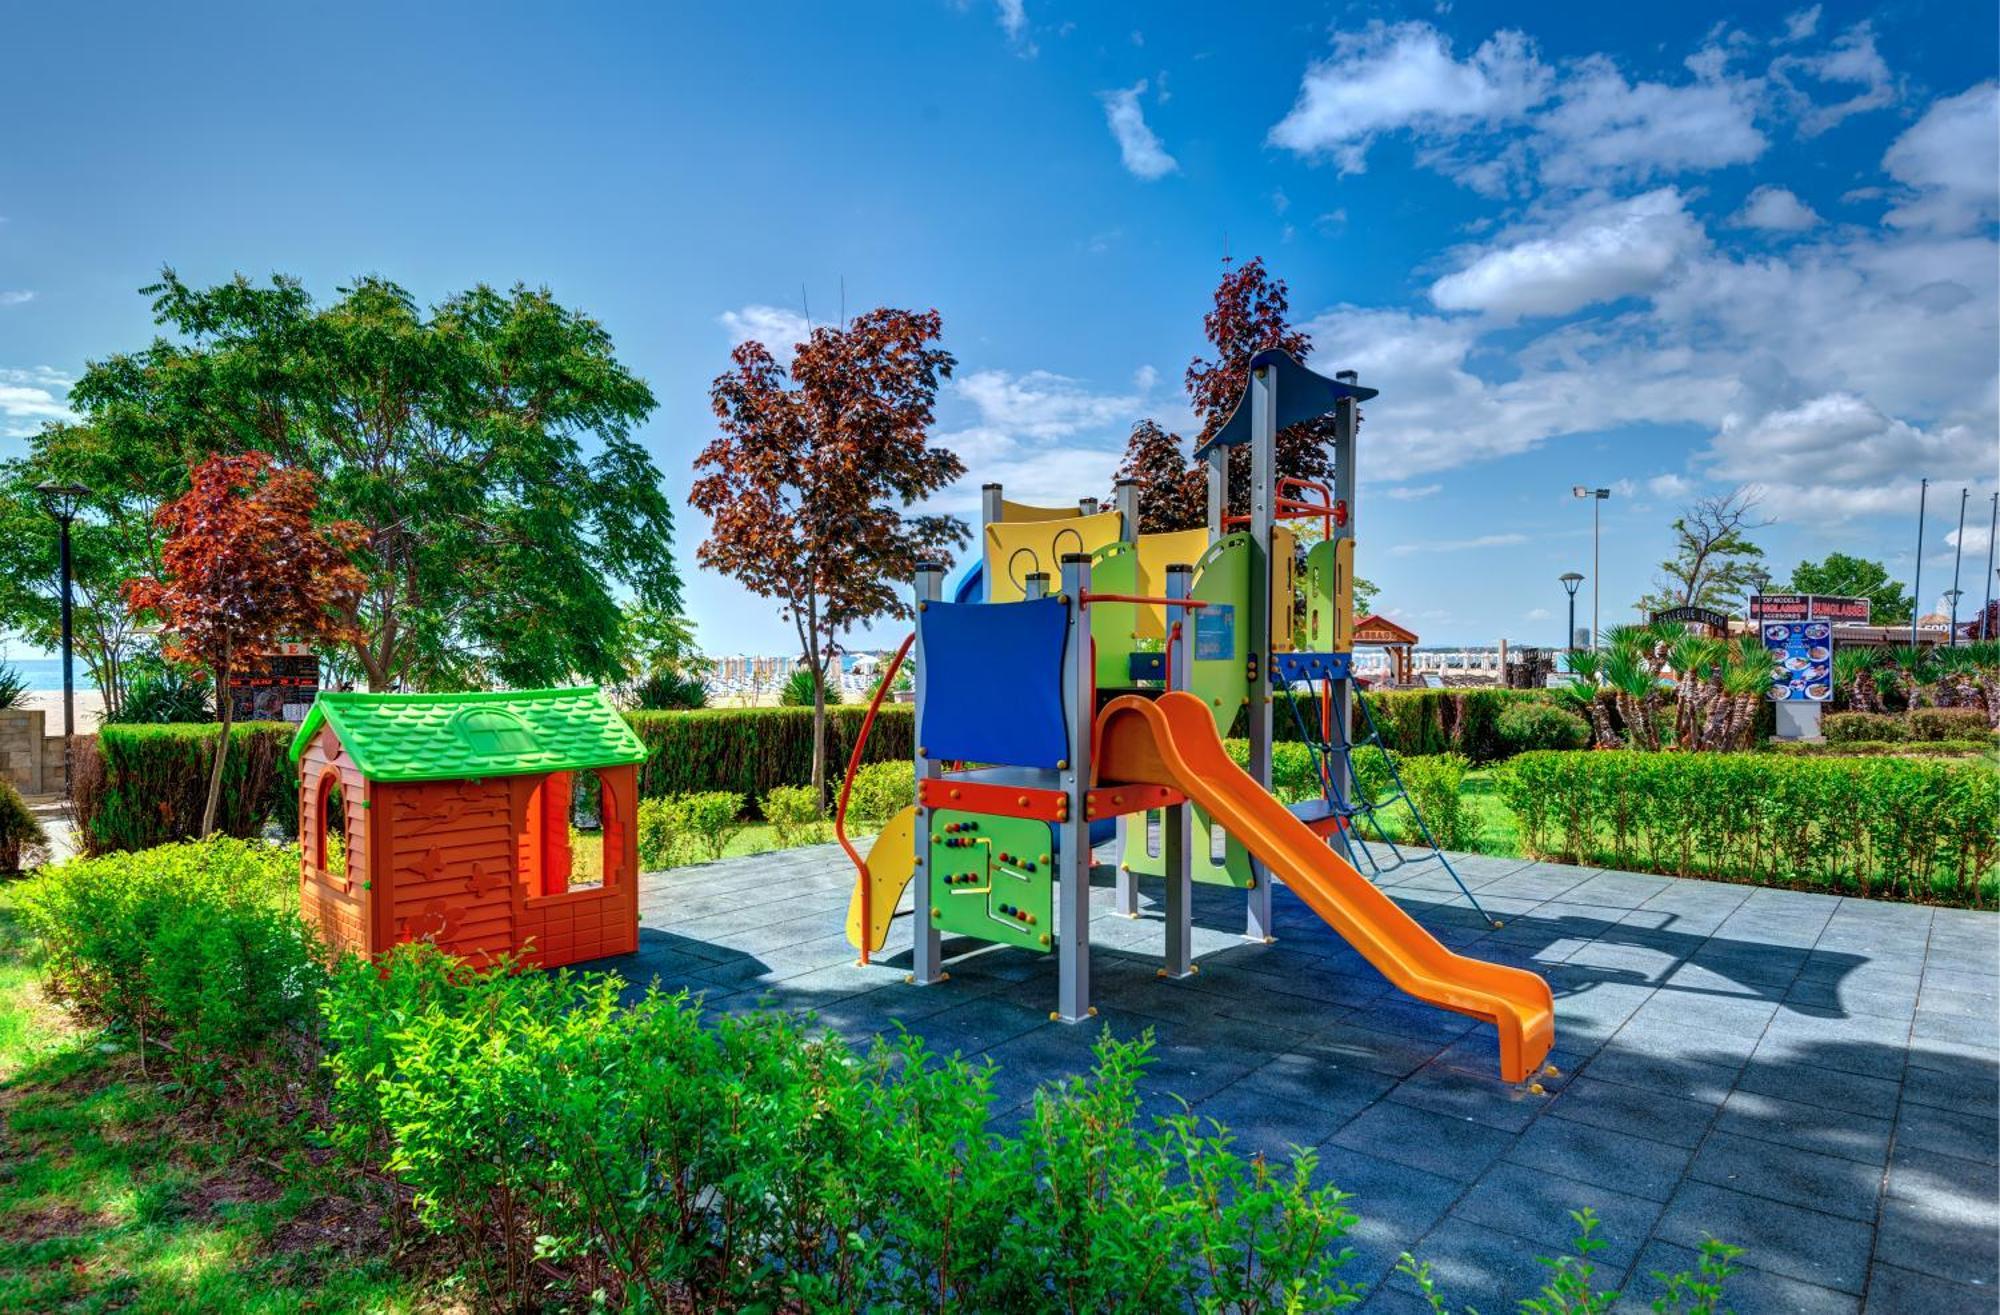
(1570, 580)
(61, 501)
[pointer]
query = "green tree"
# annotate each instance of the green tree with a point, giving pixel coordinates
(1855, 577)
(485, 445)
(1714, 563)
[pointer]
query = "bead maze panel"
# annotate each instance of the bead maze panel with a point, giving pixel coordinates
(992, 878)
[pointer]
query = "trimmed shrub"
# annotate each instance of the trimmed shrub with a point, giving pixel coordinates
(1875, 727)
(22, 840)
(687, 828)
(794, 815)
(1882, 748)
(200, 944)
(881, 790)
(750, 750)
(1919, 829)
(1433, 783)
(153, 780)
(1948, 724)
(1525, 727)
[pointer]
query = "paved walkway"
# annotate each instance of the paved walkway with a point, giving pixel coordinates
(1810, 1077)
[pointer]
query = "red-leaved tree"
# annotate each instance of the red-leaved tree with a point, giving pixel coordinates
(244, 568)
(1251, 315)
(807, 484)
(1172, 494)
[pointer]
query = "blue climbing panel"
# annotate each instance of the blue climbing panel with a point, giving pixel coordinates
(990, 682)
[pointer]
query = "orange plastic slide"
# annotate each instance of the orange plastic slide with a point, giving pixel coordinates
(1171, 741)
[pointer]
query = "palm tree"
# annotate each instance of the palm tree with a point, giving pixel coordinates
(1912, 663)
(1628, 669)
(1585, 667)
(1854, 676)
(1746, 677)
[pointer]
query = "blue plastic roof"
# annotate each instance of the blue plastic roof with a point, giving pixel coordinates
(1302, 395)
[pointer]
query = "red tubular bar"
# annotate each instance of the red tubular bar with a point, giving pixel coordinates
(1087, 598)
(847, 788)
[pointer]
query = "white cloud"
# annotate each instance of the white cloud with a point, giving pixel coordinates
(1851, 61)
(1537, 614)
(30, 397)
(1389, 77)
(1144, 378)
(1458, 545)
(1669, 486)
(1775, 209)
(1138, 147)
(1800, 25)
(1043, 405)
(1607, 128)
(1604, 252)
(780, 330)
(1947, 159)
(15, 296)
(1012, 16)
(1411, 492)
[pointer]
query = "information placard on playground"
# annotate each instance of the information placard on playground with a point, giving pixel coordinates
(1801, 660)
(278, 685)
(1215, 633)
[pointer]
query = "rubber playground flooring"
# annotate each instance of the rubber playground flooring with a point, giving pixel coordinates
(1810, 1077)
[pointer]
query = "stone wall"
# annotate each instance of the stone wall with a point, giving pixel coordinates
(31, 760)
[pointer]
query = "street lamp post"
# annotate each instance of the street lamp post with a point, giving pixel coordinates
(1570, 580)
(62, 502)
(1597, 497)
(1992, 525)
(1951, 602)
(1957, 555)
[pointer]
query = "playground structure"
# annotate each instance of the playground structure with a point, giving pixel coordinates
(455, 811)
(1080, 676)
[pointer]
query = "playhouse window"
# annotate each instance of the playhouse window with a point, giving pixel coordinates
(568, 810)
(330, 829)
(589, 807)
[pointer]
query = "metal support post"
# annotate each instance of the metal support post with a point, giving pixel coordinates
(927, 954)
(1126, 500)
(1346, 419)
(1263, 506)
(1176, 837)
(1218, 490)
(1073, 870)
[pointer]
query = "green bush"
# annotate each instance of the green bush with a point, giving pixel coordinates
(1525, 726)
(158, 692)
(687, 827)
(1433, 782)
(13, 687)
(1294, 772)
(22, 840)
(750, 750)
(670, 691)
(794, 815)
(1875, 727)
(797, 691)
(881, 790)
(200, 944)
(1881, 748)
(154, 782)
(1921, 829)
(1948, 724)
(755, 1163)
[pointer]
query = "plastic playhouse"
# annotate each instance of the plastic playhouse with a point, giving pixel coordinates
(455, 812)
(1080, 675)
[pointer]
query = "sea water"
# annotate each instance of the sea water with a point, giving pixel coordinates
(45, 674)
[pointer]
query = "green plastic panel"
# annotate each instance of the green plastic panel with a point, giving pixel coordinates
(454, 737)
(992, 878)
(1143, 853)
(1114, 627)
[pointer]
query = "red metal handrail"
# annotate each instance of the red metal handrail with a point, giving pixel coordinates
(847, 788)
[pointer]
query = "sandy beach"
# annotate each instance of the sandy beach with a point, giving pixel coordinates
(89, 709)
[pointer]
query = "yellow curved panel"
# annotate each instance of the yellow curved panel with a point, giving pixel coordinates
(1016, 551)
(890, 862)
(1021, 511)
(1156, 553)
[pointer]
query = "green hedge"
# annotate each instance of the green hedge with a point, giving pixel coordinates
(143, 786)
(1428, 721)
(1921, 829)
(750, 750)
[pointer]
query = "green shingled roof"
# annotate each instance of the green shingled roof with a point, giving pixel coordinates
(451, 737)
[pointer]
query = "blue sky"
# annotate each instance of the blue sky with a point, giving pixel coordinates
(1666, 249)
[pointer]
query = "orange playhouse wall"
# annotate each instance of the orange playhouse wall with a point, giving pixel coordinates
(460, 863)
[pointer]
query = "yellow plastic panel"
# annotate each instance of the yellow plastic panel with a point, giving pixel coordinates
(1284, 588)
(1016, 551)
(1156, 553)
(1021, 511)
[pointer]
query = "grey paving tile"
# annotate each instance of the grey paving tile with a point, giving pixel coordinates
(1893, 1290)
(1272, 1125)
(1874, 1047)
(1941, 1132)
(1748, 1291)
(1396, 1204)
(1941, 1217)
(1847, 1188)
(1830, 1089)
(1377, 1051)
(1954, 1083)
(1633, 1110)
(1808, 1127)
(1483, 1099)
(1476, 1267)
(1601, 1157)
(1435, 1143)
(1310, 1077)
(1536, 1207)
(1797, 1243)
(1666, 1075)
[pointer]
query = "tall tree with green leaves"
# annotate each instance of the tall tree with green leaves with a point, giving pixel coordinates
(485, 445)
(1842, 576)
(1714, 563)
(806, 486)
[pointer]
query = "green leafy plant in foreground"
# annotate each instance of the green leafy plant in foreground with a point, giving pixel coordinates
(1572, 1286)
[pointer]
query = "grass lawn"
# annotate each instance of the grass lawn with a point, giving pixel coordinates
(115, 1196)
(1498, 832)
